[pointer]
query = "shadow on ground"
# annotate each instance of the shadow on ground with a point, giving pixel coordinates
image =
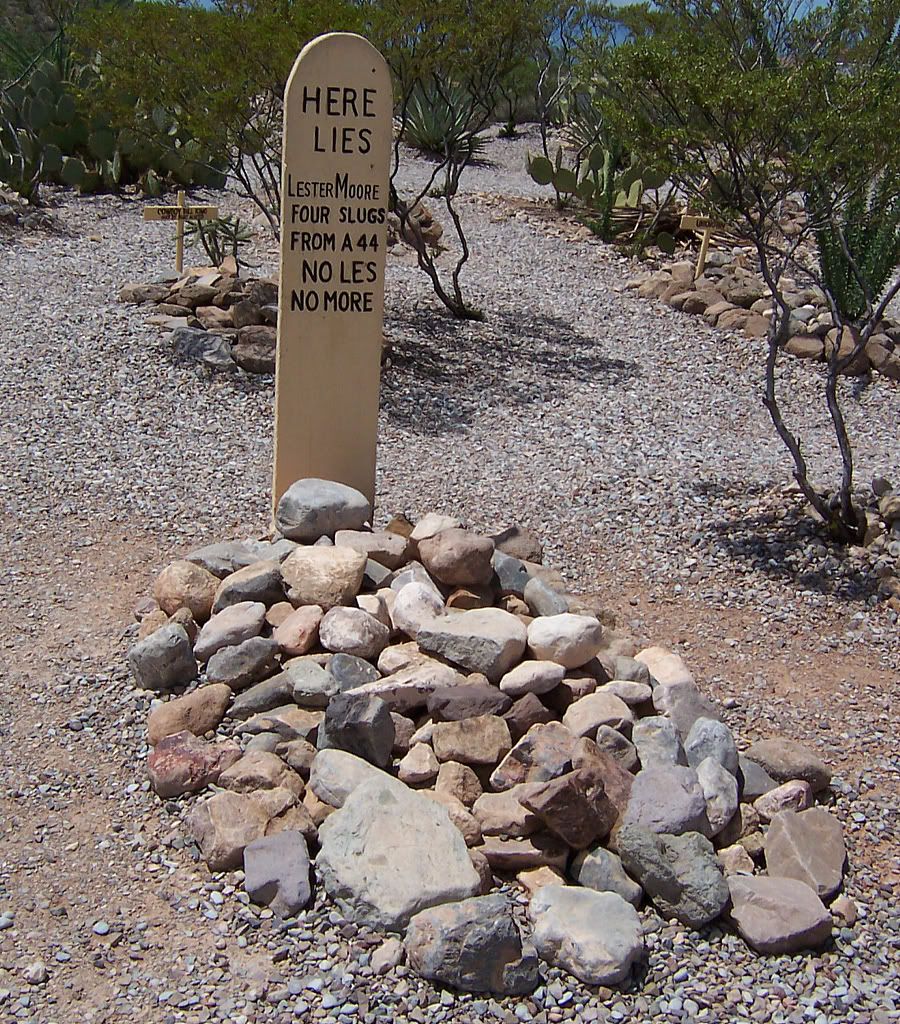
(444, 372)
(780, 539)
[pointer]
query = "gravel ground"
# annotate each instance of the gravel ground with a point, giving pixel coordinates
(629, 436)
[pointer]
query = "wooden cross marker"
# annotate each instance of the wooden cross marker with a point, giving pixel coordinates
(691, 222)
(180, 213)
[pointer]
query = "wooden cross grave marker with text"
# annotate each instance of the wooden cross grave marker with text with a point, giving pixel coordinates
(338, 113)
(180, 213)
(693, 222)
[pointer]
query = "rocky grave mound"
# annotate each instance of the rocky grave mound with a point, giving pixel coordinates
(419, 717)
(228, 322)
(731, 294)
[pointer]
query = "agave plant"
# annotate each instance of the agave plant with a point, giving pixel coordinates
(443, 122)
(869, 224)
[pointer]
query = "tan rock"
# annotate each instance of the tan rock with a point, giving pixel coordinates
(258, 769)
(385, 547)
(318, 809)
(279, 612)
(467, 598)
(534, 851)
(294, 819)
(585, 716)
(224, 825)
(418, 766)
(152, 622)
(502, 814)
(458, 557)
(198, 713)
(185, 585)
(533, 879)
(756, 326)
(459, 781)
(482, 740)
(805, 346)
(324, 576)
(735, 860)
(461, 817)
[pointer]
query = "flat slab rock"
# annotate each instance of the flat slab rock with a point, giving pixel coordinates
(809, 847)
(389, 853)
(777, 915)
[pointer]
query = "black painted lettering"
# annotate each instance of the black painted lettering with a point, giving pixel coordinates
(369, 102)
(314, 99)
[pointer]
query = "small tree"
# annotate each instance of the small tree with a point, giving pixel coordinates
(749, 106)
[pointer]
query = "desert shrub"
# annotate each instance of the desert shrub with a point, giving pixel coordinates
(442, 121)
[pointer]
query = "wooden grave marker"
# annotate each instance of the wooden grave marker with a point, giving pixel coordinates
(693, 222)
(180, 213)
(338, 111)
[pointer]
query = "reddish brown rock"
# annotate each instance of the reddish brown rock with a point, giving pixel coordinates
(543, 753)
(184, 763)
(198, 712)
(458, 558)
(574, 807)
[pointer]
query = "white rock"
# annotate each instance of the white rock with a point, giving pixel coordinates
(353, 631)
(415, 606)
(532, 677)
(596, 936)
(570, 640)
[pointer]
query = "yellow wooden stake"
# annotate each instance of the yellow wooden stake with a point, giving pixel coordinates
(180, 213)
(691, 222)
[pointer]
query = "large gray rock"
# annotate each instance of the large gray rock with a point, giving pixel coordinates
(361, 724)
(335, 774)
(658, 743)
(351, 671)
(473, 945)
(228, 556)
(602, 870)
(808, 846)
(389, 853)
(596, 936)
(510, 574)
(711, 738)
(786, 760)
(755, 781)
(683, 703)
(407, 689)
(245, 664)
(270, 693)
(276, 872)
(542, 599)
(681, 874)
(205, 347)
(311, 685)
(667, 800)
(230, 627)
(313, 508)
(777, 915)
(163, 660)
(260, 581)
(486, 640)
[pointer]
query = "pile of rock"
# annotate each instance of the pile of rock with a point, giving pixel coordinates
(228, 322)
(730, 294)
(882, 538)
(216, 317)
(430, 714)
